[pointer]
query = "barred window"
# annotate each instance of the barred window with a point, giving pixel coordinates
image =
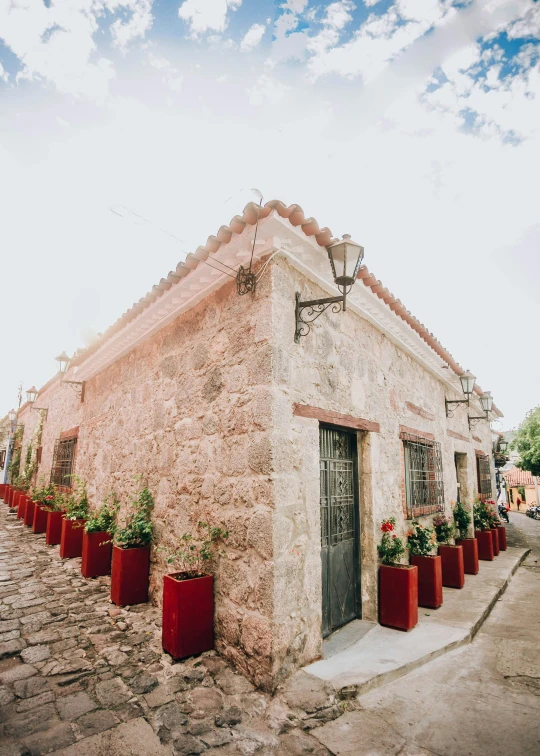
(2, 458)
(483, 469)
(424, 488)
(63, 461)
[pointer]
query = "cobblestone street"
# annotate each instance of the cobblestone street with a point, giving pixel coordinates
(80, 676)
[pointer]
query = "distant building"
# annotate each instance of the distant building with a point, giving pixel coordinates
(520, 483)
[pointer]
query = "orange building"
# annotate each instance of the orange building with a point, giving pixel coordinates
(520, 483)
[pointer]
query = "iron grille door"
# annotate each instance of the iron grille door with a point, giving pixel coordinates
(339, 529)
(484, 476)
(63, 460)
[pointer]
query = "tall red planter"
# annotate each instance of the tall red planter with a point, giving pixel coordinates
(495, 536)
(453, 568)
(485, 545)
(398, 596)
(29, 511)
(19, 502)
(501, 530)
(12, 492)
(2, 490)
(53, 533)
(430, 592)
(9, 495)
(96, 554)
(130, 575)
(470, 555)
(71, 538)
(39, 524)
(7, 489)
(188, 615)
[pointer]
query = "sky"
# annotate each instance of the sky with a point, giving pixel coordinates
(131, 130)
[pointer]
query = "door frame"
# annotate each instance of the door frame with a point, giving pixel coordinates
(357, 550)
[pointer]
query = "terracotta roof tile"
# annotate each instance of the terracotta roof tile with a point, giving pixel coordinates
(295, 215)
(517, 477)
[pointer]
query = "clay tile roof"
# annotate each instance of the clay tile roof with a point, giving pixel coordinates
(295, 215)
(516, 477)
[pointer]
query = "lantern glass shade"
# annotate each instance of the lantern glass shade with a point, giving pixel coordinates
(63, 362)
(503, 445)
(31, 395)
(467, 382)
(12, 416)
(486, 400)
(345, 258)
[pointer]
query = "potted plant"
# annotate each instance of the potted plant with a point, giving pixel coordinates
(188, 593)
(73, 521)
(462, 518)
(54, 505)
(41, 497)
(131, 553)
(421, 541)
(453, 572)
(482, 530)
(497, 528)
(97, 539)
(398, 583)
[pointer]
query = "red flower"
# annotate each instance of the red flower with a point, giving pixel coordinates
(394, 536)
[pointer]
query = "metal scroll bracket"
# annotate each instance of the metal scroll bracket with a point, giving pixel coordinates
(307, 312)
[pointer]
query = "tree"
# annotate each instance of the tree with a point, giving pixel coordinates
(527, 443)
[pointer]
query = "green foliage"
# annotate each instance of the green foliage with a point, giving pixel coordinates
(76, 504)
(444, 529)
(391, 548)
(521, 492)
(196, 553)
(44, 494)
(527, 443)
(462, 518)
(138, 530)
(484, 514)
(421, 540)
(103, 519)
(15, 467)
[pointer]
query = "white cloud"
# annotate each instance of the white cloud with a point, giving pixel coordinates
(171, 76)
(207, 15)
(136, 27)
(370, 3)
(338, 14)
(4, 76)
(252, 37)
(266, 91)
(295, 6)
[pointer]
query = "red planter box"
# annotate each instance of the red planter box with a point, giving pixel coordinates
(398, 596)
(453, 568)
(470, 555)
(188, 615)
(53, 533)
(12, 492)
(29, 511)
(495, 535)
(130, 575)
(18, 502)
(485, 545)
(39, 524)
(96, 554)
(2, 490)
(71, 538)
(501, 530)
(430, 593)
(7, 489)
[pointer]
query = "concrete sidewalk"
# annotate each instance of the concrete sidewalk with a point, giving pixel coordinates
(368, 655)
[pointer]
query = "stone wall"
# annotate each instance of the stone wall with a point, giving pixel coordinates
(347, 366)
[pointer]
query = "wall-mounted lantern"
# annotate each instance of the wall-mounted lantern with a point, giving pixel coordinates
(503, 446)
(345, 260)
(12, 416)
(486, 400)
(31, 395)
(467, 380)
(63, 362)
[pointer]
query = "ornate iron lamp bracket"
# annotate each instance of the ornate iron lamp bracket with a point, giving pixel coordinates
(76, 386)
(450, 405)
(246, 281)
(474, 420)
(307, 312)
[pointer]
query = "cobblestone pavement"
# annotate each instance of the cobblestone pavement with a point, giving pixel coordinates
(80, 676)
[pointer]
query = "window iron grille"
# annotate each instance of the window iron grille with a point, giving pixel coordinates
(63, 462)
(424, 487)
(484, 476)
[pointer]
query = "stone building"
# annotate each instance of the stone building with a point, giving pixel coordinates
(299, 449)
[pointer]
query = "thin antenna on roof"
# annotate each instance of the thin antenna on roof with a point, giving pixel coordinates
(246, 280)
(114, 209)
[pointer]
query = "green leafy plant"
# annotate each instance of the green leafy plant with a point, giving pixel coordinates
(391, 548)
(444, 529)
(421, 540)
(103, 519)
(76, 505)
(462, 518)
(527, 443)
(44, 494)
(484, 514)
(521, 492)
(194, 557)
(138, 530)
